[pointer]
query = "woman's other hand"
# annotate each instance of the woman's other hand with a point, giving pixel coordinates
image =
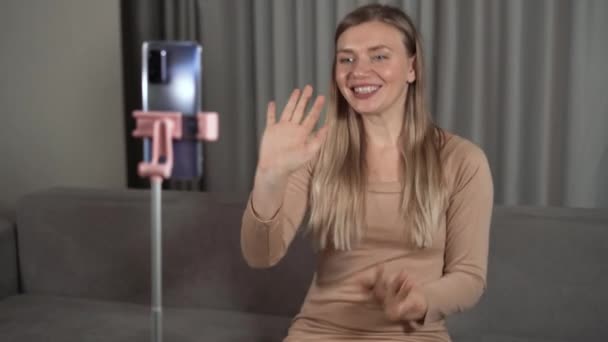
(400, 296)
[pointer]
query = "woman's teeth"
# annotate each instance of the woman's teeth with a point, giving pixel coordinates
(366, 89)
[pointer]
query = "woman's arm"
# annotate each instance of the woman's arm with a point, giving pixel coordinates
(266, 237)
(280, 194)
(467, 240)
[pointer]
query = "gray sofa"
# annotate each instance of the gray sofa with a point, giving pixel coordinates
(75, 267)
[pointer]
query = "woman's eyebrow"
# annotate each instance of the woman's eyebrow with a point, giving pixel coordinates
(371, 49)
(379, 47)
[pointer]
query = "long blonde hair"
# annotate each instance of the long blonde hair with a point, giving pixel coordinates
(339, 180)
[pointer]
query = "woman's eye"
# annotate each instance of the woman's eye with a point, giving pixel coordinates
(379, 57)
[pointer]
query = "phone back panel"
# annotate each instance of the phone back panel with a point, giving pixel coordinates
(171, 81)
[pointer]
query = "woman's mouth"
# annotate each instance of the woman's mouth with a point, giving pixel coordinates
(365, 92)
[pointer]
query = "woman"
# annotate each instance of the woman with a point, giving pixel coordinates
(398, 209)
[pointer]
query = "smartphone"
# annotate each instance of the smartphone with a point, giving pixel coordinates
(171, 81)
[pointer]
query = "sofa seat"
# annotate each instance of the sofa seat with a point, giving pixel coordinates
(50, 318)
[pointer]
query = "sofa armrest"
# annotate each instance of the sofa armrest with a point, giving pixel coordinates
(9, 284)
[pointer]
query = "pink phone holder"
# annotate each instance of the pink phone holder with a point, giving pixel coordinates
(163, 127)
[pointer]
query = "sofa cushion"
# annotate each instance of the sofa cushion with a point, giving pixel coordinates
(96, 244)
(44, 318)
(508, 338)
(547, 277)
(8, 259)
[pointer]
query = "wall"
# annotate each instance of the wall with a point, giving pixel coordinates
(60, 96)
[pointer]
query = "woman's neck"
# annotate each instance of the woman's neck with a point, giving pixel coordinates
(382, 130)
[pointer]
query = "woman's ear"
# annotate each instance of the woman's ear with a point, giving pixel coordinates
(411, 74)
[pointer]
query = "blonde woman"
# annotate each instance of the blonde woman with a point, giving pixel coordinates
(398, 209)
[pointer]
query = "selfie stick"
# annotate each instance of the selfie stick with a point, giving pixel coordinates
(163, 128)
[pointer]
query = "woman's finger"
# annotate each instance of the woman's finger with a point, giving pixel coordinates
(291, 104)
(298, 112)
(318, 140)
(380, 293)
(399, 282)
(271, 114)
(394, 285)
(402, 310)
(379, 270)
(379, 286)
(405, 289)
(314, 114)
(405, 308)
(313, 146)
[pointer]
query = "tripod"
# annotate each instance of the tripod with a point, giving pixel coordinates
(163, 128)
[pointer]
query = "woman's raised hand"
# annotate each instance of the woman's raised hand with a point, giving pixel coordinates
(287, 144)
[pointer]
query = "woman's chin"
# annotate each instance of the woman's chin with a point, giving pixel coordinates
(365, 107)
(366, 110)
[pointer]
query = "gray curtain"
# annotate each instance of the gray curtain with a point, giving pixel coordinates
(525, 80)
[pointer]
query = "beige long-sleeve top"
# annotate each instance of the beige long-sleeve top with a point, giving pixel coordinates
(451, 273)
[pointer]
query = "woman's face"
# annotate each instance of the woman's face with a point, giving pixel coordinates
(373, 68)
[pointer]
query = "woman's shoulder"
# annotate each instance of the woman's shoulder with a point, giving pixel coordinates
(459, 148)
(461, 157)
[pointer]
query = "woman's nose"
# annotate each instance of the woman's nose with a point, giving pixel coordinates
(361, 67)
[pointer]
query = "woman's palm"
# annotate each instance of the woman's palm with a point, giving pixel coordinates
(287, 144)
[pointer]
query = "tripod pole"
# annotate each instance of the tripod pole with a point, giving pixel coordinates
(156, 257)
